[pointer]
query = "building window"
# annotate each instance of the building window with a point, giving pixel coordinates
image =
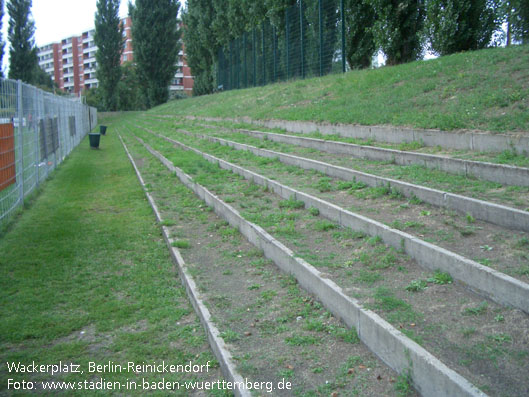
(125, 58)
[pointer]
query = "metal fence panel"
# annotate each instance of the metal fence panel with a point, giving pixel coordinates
(37, 131)
(306, 42)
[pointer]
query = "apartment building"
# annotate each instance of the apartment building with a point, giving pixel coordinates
(72, 64)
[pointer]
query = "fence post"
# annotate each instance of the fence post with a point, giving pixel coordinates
(218, 69)
(321, 36)
(36, 116)
(237, 63)
(245, 63)
(301, 36)
(343, 35)
(254, 61)
(20, 115)
(275, 51)
(264, 54)
(231, 66)
(288, 44)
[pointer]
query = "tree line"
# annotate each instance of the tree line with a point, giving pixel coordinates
(156, 40)
(403, 30)
(138, 85)
(22, 51)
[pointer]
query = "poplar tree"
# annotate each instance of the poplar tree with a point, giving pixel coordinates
(517, 17)
(23, 53)
(461, 25)
(109, 41)
(200, 44)
(155, 35)
(360, 42)
(398, 29)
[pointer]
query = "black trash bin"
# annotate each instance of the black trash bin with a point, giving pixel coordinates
(103, 129)
(94, 140)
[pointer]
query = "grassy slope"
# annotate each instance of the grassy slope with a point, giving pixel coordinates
(85, 275)
(485, 90)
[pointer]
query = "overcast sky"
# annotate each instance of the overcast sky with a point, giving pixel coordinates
(59, 19)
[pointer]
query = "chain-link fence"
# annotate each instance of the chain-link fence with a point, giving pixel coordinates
(307, 41)
(37, 131)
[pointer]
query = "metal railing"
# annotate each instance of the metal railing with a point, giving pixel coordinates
(37, 131)
(308, 41)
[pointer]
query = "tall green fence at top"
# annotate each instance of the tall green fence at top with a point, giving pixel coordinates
(309, 41)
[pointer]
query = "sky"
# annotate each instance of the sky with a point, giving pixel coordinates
(59, 19)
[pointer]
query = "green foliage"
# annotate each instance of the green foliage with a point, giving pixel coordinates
(440, 277)
(129, 95)
(461, 25)
(94, 98)
(42, 79)
(230, 336)
(516, 13)
(156, 45)
(360, 42)
(302, 340)
(476, 311)
(398, 28)
(291, 203)
(314, 211)
(109, 41)
(182, 244)
(329, 21)
(200, 44)
(417, 285)
(2, 44)
(22, 53)
(324, 225)
(403, 386)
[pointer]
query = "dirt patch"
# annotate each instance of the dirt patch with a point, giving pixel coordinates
(275, 330)
(482, 341)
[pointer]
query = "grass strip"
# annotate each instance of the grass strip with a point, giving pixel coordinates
(86, 277)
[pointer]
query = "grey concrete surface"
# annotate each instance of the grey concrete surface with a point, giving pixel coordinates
(430, 376)
(497, 214)
(487, 282)
(500, 173)
(480, 141)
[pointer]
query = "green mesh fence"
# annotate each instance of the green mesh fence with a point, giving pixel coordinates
(306, 42)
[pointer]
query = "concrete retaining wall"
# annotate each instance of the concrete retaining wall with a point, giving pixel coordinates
(500, 173)
(216, 342)
(460, 140)
(490, 212)
(430, 376)
(497, 286)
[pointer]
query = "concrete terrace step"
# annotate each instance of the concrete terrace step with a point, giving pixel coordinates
(490, 212)
(485, 281)
(430, 376)
(461, 140)
(500, 173)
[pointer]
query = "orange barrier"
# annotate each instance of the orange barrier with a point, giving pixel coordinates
(7, 155)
